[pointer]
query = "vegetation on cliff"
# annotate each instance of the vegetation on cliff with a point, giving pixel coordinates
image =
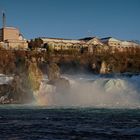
(18, 61)
(28, 67)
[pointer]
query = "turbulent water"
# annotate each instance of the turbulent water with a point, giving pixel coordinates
(95, 107)
(96, 91)
(47, 123)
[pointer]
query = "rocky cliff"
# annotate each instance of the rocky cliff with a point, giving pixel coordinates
(28, 68)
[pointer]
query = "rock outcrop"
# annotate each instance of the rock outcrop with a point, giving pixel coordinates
(53, 72)
(103, 69)
(15, 91)
(35, 75)
(29, 85)
(62, 85)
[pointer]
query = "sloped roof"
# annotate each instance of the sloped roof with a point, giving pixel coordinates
(55, 38)
(86, 38)
(95, 41)
(109, 39)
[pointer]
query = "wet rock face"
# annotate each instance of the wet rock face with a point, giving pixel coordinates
(61, 84)
(95, 67)
(53, 72)
(35, 75)
(103, 69)
(15, 91)
(5, 91)
(23, 85)
(21, 88)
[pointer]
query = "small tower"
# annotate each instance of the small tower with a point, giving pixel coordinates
(3, 20)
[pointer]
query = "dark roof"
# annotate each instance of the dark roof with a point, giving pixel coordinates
(105, 38)
(55, 38)
(136, 41)
(87, 38)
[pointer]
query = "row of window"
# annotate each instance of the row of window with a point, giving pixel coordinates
(64, 46)
(115, 44)
(120, 45)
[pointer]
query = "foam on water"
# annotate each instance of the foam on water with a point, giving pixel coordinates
(93, 91)
(4, 79)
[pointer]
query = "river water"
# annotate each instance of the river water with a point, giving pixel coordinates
(54, 123)
(95, 108)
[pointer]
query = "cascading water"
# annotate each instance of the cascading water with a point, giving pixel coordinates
(93, 91)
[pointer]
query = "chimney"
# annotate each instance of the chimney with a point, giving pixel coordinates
(3, 19)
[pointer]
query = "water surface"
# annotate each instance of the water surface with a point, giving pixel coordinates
(54, 123)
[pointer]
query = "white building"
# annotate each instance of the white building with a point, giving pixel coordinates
(64, 44)
(121, 45)
(110, 41)
(129, 44)
(11, 38)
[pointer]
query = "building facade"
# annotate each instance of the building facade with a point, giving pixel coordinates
(11, 38)
(120, 45)
(9, 33)
(89, 44)
(62, 44)
(111, 42)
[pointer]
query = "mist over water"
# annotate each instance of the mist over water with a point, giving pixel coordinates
(93, 91)
(94, 107)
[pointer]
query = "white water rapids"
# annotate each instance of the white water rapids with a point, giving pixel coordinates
(93, 91)
(89, 91)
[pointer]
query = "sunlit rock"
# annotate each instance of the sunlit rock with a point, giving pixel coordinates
(35, 75)
(103, 69)
(53, 72)
(55, 79)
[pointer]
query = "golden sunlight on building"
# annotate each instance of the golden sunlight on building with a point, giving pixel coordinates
(11, 38)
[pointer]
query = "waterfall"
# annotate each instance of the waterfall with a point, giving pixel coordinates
(95, 92)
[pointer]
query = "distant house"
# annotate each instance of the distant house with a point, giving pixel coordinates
(120, 45)
(9, 33)
(129, 44)
(110, 41)
(87, 44)
(92, 43)
(62, 44)
(12, 39)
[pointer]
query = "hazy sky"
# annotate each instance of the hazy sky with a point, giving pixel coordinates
(74, 18)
